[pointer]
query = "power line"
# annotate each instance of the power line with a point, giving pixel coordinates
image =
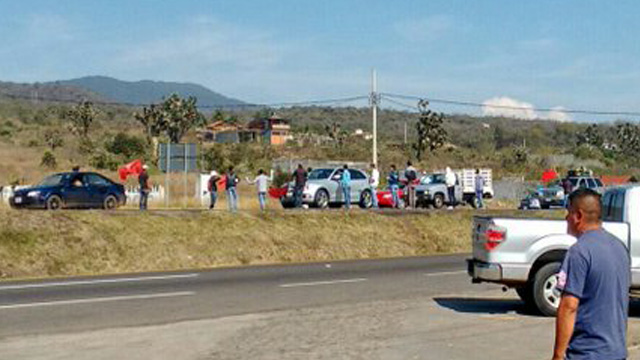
(482, 105)
(406, 106)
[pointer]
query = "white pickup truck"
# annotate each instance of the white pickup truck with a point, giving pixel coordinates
(526, 254)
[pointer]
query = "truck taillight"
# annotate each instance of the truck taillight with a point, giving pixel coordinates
(494, 238)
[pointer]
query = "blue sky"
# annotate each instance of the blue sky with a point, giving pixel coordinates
(548, 54)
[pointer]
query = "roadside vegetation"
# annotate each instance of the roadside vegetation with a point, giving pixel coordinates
(45, 244)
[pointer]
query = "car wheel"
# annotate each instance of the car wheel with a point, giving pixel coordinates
(545, 294)
(438, 201)
(54, 202)
(366, 199)
(110, 203)
(321, 200)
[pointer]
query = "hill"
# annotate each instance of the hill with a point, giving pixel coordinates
(39, 92)
(147, 91)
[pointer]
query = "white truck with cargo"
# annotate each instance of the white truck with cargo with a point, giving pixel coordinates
(432, 190)
(526, 254)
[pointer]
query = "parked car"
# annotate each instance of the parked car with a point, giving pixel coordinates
(71, 190)
(526, 254)
(323, 189)
(432, 191)
(385, 199)
(531, 201)
(589, 182)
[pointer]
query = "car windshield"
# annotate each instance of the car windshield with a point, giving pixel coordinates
(574, 181)
(320, 174)
(432, 179)
(53, 180)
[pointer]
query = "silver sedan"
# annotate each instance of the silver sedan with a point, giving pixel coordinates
(323, 189)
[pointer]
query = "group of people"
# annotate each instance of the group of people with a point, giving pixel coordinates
(300, 176)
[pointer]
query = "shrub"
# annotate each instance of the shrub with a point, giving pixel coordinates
(129, 146)
(49, 160)
(102, 160)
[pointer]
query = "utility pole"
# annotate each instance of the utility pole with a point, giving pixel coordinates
(374, 111)
(405, 133)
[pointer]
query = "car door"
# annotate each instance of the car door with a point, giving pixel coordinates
(76, 192)
(359, 183)
(336, 188)
(98, 188)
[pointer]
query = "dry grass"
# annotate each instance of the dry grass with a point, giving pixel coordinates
(40, 244)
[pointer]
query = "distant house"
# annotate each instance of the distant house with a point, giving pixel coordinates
(273, 130)
(227, 133)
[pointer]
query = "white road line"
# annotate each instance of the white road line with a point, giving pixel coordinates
(99, 281)
(331, 282)
(446, 273)
(97, 300)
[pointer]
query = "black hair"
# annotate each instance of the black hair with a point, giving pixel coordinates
(583, 193)
(345, 166)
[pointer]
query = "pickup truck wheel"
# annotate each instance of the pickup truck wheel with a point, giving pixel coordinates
(438, 201)
(545, 294)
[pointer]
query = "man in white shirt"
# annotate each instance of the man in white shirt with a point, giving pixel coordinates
(261, 182)
(450, 180)
(374, 182)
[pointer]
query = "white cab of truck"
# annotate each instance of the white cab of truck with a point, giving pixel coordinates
(526, 254)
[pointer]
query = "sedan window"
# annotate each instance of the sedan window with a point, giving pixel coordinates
(53, 180)
(320, 174)
(357, 175)
(96, 180)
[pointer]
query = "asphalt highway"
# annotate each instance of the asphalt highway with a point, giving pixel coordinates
(91, 303)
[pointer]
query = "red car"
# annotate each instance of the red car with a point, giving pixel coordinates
(385, 199)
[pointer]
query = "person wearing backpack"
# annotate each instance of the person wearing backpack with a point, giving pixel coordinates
(232, 181)
(212, 187)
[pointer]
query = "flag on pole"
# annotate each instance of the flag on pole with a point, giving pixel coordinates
(132, 168)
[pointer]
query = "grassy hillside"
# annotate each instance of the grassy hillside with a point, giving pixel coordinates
(40, 244)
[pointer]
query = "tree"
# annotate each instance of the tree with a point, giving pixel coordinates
(49, 160)
(53, 138)
(430, 129)
(80, 118)
(174, 117)
(335, 132)
(628, 139)
(129, 146)
(591, 137)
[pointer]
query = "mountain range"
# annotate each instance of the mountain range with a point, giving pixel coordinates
(107, 89)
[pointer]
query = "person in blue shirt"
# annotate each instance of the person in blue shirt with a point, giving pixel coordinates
(594, 279)
(394, 180)
(345, 184)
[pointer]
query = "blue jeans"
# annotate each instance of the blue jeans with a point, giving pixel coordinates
(394, 195)
(144, 198)
(374, 194)
(451, 191)
(346, 193)
(479, 199)
(232, 199)
(297, 193)
(214, 198)
(262, 199)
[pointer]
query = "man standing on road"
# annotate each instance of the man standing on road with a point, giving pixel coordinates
(261, 184)
(212, 186)
(479, 187)
(411, 174)
(594, 280)
(567, 187)
(450, 180)
(345, 183)
(300, 180)
(232, 181)
(143, 180)
(374, 182)
(393, 181)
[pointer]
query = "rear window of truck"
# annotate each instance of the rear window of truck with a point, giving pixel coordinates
(613, 206)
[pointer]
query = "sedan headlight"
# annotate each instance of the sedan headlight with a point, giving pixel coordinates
(34, 193)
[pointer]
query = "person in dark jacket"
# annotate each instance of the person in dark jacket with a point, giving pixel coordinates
(212, 187)
(300, 180)
(145, 189)
(232, 181)
(394, 182)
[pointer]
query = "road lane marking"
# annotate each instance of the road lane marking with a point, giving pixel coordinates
(447, 273)
(99, 281)
(98, 300)
(317, 283)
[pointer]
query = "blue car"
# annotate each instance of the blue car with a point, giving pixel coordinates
(71, 190)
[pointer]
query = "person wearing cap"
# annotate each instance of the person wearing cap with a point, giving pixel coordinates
(143, 180)
(213, 188)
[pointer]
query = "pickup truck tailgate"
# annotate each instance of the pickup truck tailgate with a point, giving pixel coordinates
(479, 238)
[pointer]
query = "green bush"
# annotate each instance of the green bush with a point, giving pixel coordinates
(129, 146)
(104, 161)
(49, 160)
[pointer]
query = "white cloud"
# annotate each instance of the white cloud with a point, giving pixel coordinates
(558, 114)
(509, 107)
(427, 29)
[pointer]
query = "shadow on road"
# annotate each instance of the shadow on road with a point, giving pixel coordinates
(484, 305)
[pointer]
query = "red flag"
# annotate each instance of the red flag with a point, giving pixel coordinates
(132, 168)
(549, 175)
